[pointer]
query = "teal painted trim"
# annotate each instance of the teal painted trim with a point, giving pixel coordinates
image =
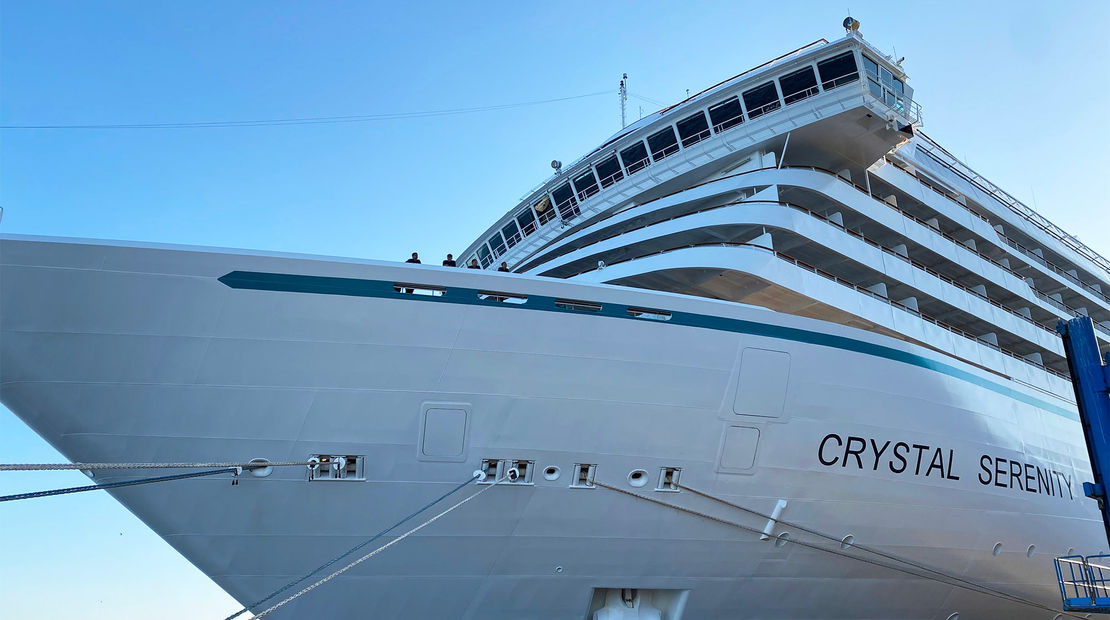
(353, 287)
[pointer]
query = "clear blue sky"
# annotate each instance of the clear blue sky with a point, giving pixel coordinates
(1019, 89)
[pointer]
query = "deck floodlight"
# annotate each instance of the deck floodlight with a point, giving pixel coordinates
(851, 25)
(556, 164)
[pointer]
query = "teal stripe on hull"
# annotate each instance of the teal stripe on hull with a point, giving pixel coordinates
(353, 287)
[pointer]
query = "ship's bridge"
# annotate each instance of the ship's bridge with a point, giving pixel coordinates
(805, 186)
(838, 105)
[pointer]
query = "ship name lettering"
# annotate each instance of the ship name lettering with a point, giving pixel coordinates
(1011, 474)
(868, 453)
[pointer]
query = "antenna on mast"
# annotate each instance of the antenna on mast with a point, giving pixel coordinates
(624, 98)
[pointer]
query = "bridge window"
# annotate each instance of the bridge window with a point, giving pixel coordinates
(663, 144)
(799, 85)
(586, 185)
(511, 234)
(527, 221)
(635, 158)
(610, 171)
(693, 129)
(872, 69)
(838, 70)
(484, 258)
(497, 244)
(543, 210)
(565, 202)
(761, 100)
(726, 114)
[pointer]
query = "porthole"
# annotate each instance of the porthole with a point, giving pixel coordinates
(997, 549)
(551, 473)
(847, 541)
(954, 616)
(782, 539)
(638, 477)
(260, 468)
(1030, 551)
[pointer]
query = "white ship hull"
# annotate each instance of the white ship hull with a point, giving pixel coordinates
(141, 353)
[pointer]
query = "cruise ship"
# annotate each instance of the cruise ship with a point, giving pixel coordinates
(771, 352)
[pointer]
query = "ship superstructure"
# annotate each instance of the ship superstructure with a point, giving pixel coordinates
(750, 341)
(804, 185)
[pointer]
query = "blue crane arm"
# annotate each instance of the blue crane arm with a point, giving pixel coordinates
(1091, 380)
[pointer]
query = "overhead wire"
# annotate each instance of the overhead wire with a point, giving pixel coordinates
(647, 99)
(309, 120)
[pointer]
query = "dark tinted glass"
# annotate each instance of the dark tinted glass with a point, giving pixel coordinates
(871, 67)
(510, 234)
(497, 244)
(761, 100)
(563, 195)
(693, 129)
(586, 185)
(527, 221)
(543, 210)
(635, 157)
(662, 144)
(838, 70)
(610, 171)
(872, 70)
(726, 114)
(564, 201)
(798, 85)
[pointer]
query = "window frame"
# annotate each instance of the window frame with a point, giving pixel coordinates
(590, 189)
(688, 141)
(612, 178)
(838, 80)
(735, 120)
(666, 151)
(515, 235)
(639, 164)
(800, 95)
(766, 108)
(524, 231)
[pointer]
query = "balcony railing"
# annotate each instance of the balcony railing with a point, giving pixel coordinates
(886, 250)
(859, 289)
(1012, 243)
(949, 161)
(717, 128)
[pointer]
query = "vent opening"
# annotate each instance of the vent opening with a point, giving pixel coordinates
(571, 304)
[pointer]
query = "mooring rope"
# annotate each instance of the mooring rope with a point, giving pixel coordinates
(116, 485)
(950, 581)
(100, 466)
(348, 552)
(378, 550)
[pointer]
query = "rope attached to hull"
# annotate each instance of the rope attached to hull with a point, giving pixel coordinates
(930, 574)
(258, 464)
(117, 485)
